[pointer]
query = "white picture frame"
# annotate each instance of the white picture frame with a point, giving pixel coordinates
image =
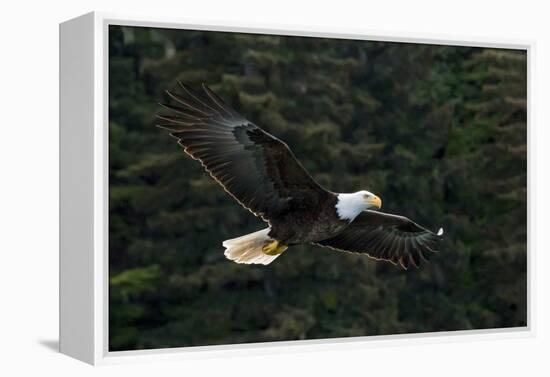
(84, 193)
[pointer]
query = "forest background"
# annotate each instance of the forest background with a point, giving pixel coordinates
(439, 132)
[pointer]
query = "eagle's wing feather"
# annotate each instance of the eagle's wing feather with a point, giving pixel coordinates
(254, 167)
(383, 236)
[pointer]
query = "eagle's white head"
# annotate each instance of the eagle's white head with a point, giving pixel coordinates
(351, 205)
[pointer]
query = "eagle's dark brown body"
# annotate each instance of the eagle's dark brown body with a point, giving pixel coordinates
(309, 220)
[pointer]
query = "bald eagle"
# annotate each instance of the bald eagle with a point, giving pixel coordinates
(262, 174)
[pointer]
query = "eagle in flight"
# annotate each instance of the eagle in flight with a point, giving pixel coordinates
(262, 174)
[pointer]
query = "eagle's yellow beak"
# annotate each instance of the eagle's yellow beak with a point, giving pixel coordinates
(375, 201)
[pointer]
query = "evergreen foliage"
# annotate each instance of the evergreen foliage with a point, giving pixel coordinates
(439, 132)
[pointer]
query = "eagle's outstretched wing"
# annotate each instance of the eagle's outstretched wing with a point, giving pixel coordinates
(254, 167)
(383, 236)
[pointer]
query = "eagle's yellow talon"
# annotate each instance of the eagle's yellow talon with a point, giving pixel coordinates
(274, 248)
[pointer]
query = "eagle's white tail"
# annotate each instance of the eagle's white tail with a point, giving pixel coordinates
(248, 249)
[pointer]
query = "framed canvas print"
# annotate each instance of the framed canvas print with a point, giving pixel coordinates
(226, 189)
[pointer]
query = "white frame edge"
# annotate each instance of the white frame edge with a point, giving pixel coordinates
(76, 188)
(84, 193)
